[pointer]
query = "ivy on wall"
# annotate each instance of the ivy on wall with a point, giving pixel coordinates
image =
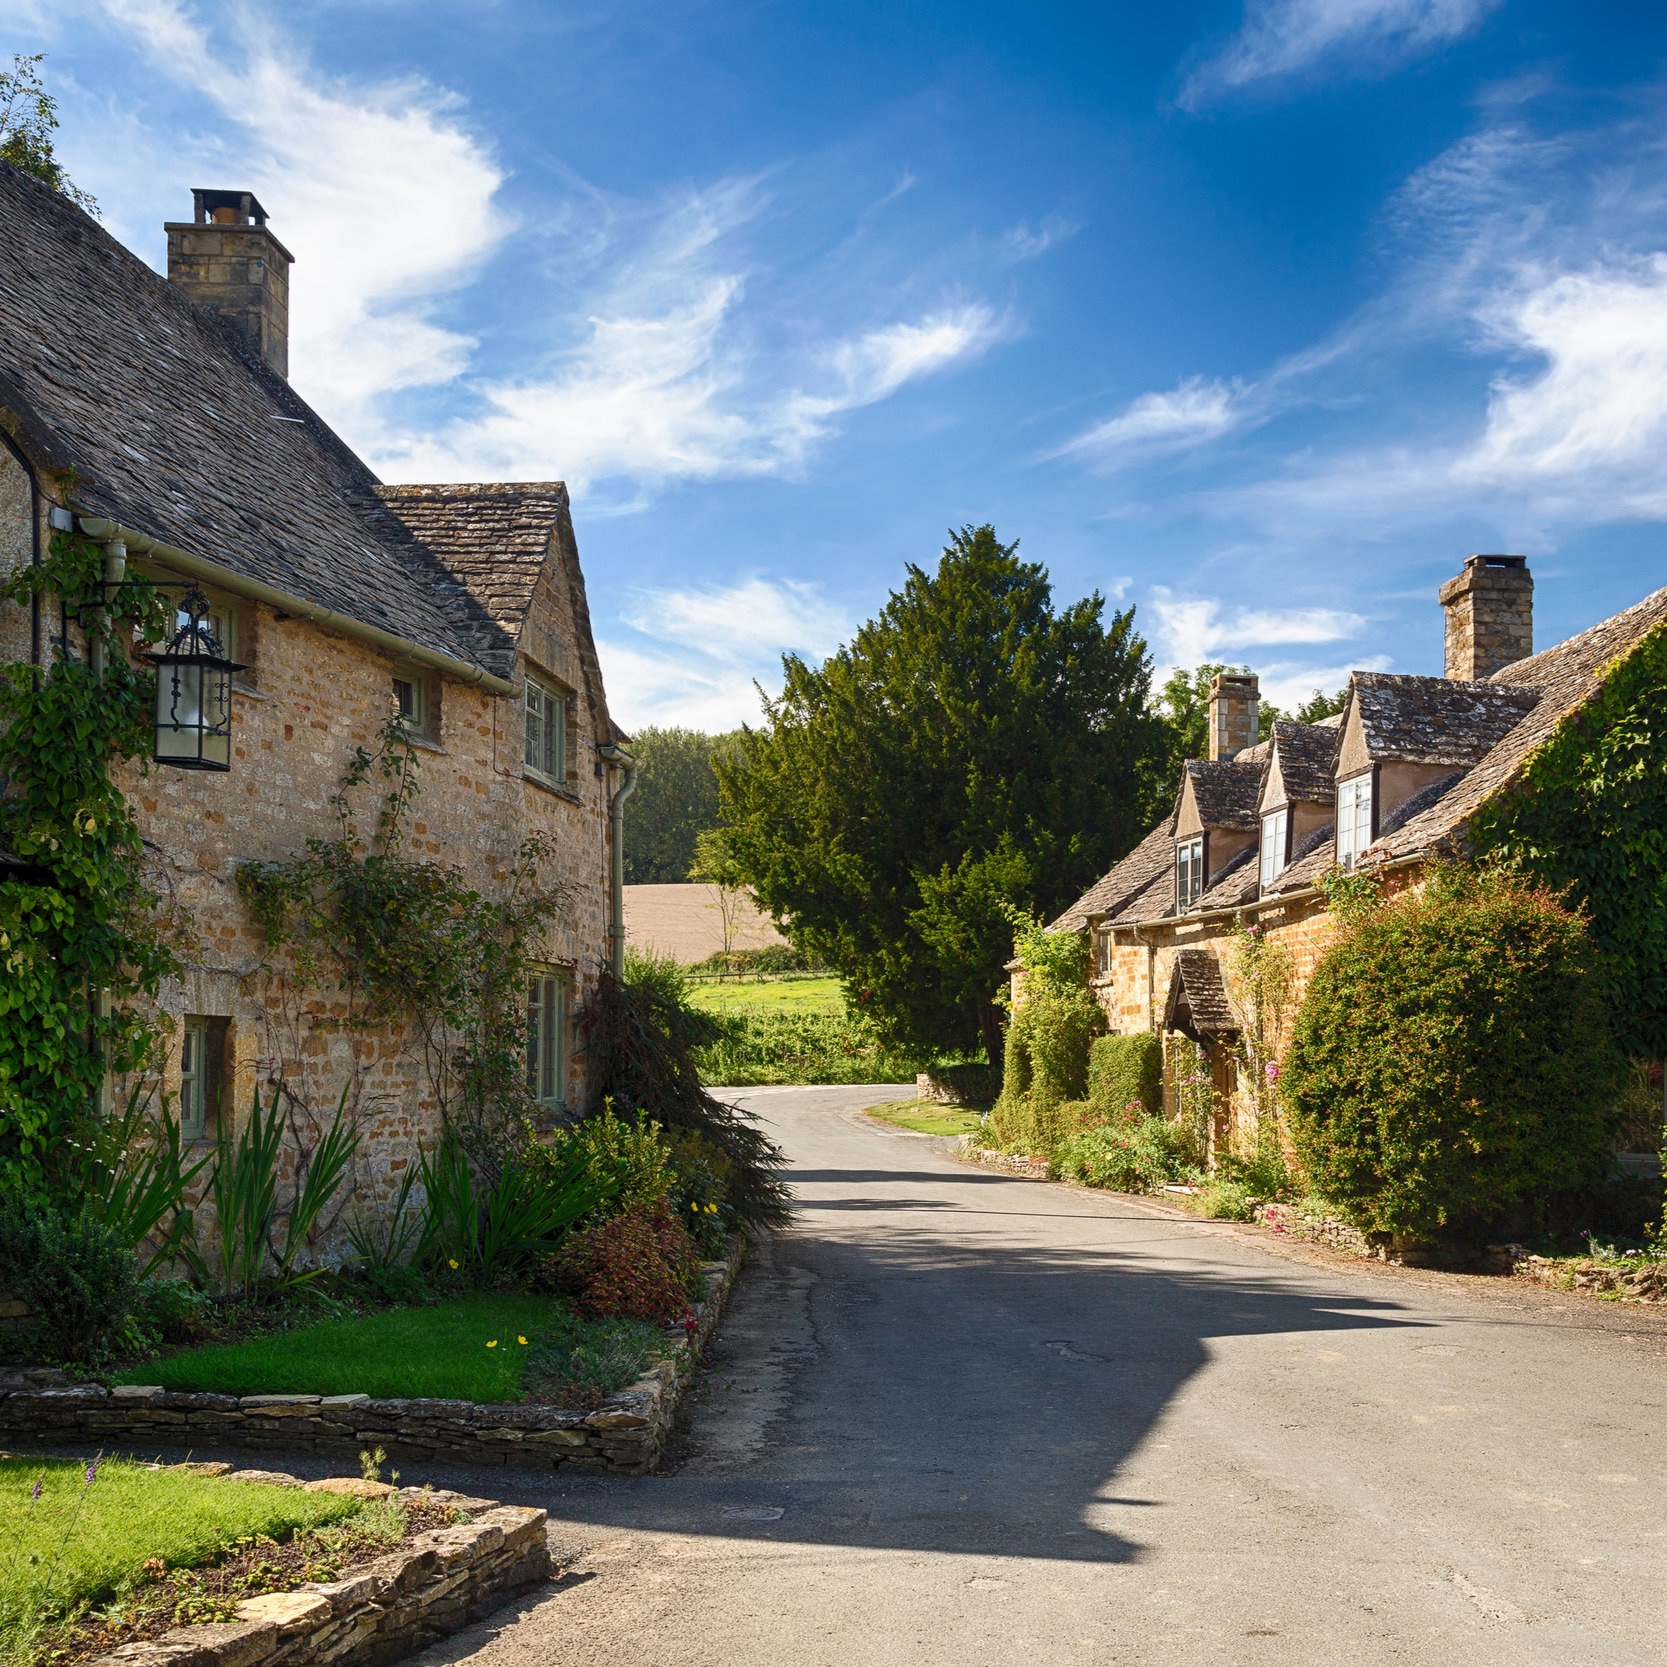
(1588, 818)
(81, 936)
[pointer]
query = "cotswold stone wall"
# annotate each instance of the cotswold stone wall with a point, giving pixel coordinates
(625, 1433)
(308, 699)
(433, 1585)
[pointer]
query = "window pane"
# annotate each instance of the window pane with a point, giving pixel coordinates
(535, 727)
(534, 1040)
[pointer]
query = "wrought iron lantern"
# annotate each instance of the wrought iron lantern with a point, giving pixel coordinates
(194, 692)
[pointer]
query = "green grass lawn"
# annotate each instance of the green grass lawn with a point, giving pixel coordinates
(928, 1117)
(440, 1351)
(776, 995)
(79, 1541)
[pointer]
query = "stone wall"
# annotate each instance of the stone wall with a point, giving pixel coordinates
(625, 1433)
(433, 1585)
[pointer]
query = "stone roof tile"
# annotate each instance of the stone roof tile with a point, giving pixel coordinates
(1435, 720)
(1307, 761)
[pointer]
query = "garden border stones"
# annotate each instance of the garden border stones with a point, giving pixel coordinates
(428, 1588)
(625, 1433)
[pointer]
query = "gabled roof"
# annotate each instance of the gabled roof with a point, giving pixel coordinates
(1518, 707)
(1226, 790)
(1153, 857)
(178, 430)
(1307, 760)
(1434, 720)
(1197, 1003)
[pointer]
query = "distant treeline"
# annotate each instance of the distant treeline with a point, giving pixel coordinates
(676, 799)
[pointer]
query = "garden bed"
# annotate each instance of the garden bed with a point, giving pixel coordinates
(928, 1117)
(624, 1432)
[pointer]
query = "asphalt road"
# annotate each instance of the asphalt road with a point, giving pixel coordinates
(959, 1418)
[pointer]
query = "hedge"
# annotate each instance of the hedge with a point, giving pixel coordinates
(1125, 1069)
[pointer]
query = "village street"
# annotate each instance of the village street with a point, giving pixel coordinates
(961, 1418)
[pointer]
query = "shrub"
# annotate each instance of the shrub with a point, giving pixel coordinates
(699, 1190)
(1124, 1071)
(75, 1272)
(174, 1309)
(1035, 1125)
(1226, 1200)
(1452, 1057)
(1131, 1153)
(626, 1163)
(641, 1264)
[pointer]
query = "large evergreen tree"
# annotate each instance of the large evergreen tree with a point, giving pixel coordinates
(972, 751)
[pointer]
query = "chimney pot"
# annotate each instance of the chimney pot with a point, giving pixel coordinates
(227, 260)
(1235, 712)
(1490, 616)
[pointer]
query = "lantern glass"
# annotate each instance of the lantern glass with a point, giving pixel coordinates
(194, 694)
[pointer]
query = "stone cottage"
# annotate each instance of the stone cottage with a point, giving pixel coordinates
(154, 416)
(1385, 786)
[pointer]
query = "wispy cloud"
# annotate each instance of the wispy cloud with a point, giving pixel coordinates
(1195, 410)
(1191, 630)
(690, 664)
(1282, 39)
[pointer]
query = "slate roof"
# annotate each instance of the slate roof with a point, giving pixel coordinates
(177, 429)
(1495, 727)
(1153, 857)
(1226, 790)
(1307, 760)
(1197, 1003)
(1432, 720)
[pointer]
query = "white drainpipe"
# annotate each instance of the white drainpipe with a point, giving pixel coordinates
(617, 758)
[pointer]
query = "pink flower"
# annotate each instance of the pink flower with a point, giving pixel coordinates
(1271, 1071)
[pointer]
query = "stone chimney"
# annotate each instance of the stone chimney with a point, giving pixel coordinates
(1490, 616)
(227, 261)
(1235, 708)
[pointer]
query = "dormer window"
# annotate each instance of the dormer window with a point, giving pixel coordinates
(1189, 872)
(1354, 818)
(1276, 827)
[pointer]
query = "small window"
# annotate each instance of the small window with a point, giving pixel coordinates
(410, 704)
(1354, 818)
(193, 1080)
(1275, 831)
(546, 749)
(546, 1030)
(1189, 872)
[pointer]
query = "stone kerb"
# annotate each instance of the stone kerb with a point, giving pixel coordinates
(429, 1587)
(624, 1434)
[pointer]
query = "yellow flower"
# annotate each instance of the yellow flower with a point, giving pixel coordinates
(453, 1264)
(522, 1341)
(493, 1344)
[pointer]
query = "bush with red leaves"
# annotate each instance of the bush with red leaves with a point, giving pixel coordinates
(641, 1263)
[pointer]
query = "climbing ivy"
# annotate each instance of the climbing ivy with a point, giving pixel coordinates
(1588, 818)
(408, 941)
(81, 937)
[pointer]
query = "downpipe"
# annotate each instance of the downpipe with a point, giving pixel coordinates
(616, 758)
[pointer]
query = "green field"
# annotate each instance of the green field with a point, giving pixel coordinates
(468, 1349)
(773, 995)
(928, 1117)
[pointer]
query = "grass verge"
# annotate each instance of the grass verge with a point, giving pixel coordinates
(79, 1540)
(468, 1348)
(928, 1117)
(770, 995)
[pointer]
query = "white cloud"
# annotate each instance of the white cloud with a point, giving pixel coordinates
(1282, 38)
(1287, 684)
(1192, 630)
(701, 650)
(1194, 411)
(1022, 242)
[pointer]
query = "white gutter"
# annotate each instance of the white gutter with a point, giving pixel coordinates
(617, 757)
(197, 567)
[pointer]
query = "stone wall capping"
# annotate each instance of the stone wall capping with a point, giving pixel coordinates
(397, 1604)
(624, 1434)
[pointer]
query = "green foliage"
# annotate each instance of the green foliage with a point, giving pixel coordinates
(435, 1350)
(1125, 1071)
(136, 1165)
(641, 1264)
(1225, 1199)
(1034, 1125)
(774, 1045)
(627, 1163)
(971, 750)
(585, 1360)
(408, 939)
(1452, 1057)
(773, 960)
(1128, 1152)
(642, 1040)
(1321, 705)
(74, 1271)
(80, 920)
(1183, 706)
(28, 119)
(1054, 1021)
(675, 799)
(1587, 817)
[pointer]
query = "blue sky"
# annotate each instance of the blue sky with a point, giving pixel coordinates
(1258, 314)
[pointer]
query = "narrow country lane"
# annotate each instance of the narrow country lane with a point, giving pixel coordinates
(959, 1418)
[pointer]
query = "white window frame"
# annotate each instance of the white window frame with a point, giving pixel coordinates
(1276, 834)
(544, 750)
(1354, 818)
(548, 1000)
(1189, 872)
(193, 1080)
